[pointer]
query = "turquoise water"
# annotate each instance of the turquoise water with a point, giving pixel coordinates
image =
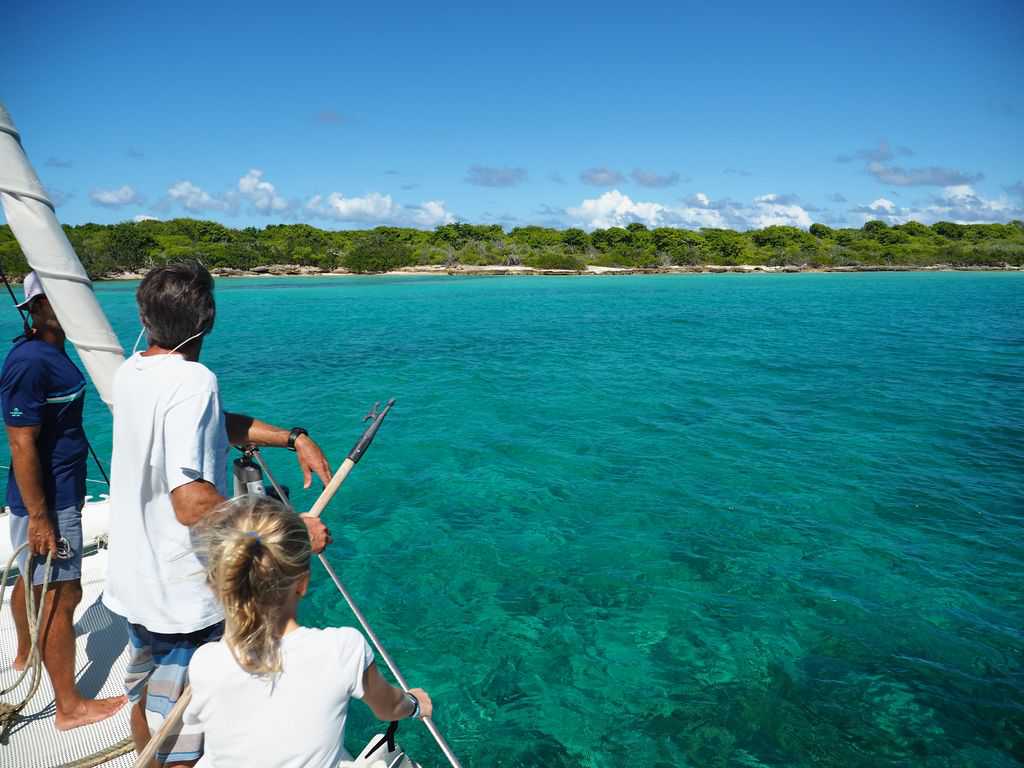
(665, 521)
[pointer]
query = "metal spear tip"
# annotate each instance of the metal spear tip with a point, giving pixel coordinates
(373, 412)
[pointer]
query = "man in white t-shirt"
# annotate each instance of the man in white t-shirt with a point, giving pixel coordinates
(168, 470)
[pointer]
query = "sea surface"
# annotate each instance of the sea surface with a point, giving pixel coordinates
(694, 520)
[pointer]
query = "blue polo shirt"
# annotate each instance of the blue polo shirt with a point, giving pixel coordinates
(39, 385)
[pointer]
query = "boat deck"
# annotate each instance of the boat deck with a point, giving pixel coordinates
(100, 662)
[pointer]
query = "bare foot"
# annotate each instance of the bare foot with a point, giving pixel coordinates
(89, 711)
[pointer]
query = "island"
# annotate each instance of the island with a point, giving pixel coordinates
(128, 249)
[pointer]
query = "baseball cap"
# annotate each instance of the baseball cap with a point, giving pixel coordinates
(33, 287)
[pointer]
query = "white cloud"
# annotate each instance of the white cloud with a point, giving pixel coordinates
(115, 198)
(377, 209)
(251, 188)
(260, 193)
(195, 199)
(372, 208)
(614, 209)
(883, 210)
(430, 214)
(697, 211)
(771, 210)
(958, 203)
(143, 217)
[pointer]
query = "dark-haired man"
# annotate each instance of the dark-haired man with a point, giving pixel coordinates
(43, 393)
(168, 471)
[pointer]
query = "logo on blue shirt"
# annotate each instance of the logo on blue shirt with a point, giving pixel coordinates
(16, 412)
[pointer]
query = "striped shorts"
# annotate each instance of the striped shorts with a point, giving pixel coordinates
(158, 668)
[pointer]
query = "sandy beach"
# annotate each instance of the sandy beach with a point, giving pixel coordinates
(299, 270)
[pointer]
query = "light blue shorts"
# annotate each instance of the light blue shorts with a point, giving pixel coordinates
(67, 564)
(159, 667)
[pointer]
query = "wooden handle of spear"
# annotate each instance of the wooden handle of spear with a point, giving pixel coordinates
(145, 758)
(351, 460)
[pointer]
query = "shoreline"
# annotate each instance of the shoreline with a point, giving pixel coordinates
(297, 270)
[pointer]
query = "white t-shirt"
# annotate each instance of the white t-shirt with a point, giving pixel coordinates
(168, 431)
(295, 719)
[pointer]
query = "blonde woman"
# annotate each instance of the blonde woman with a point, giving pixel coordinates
(273, 692)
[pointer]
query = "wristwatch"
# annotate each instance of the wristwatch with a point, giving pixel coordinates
(294, 435)
(415, 705)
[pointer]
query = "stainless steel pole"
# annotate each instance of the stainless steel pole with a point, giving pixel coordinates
(389, 661)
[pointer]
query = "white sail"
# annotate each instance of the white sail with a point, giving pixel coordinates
(30, 215)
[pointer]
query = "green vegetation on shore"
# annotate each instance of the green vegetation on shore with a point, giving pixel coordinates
(130, 247)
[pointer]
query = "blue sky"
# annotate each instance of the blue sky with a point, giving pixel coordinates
(565, 114)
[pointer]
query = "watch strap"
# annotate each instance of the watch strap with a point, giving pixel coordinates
(294, 435)
(415, 705)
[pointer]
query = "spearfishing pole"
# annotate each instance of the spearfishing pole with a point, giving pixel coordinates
(321, 503)
(24, 321)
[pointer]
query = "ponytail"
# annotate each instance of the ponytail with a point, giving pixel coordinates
(257, 551)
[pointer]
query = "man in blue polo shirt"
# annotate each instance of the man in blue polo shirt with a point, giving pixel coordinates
(42, 393)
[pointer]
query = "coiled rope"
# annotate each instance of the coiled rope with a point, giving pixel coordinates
(35, 655)
(8, 711)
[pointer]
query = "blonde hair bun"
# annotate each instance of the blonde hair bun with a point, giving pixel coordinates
(256, 551)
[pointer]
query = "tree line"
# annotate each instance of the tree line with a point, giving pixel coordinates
(108, 249)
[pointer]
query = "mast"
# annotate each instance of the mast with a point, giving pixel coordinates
(30, 215)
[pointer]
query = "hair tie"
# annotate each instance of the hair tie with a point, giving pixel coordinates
(253, 535)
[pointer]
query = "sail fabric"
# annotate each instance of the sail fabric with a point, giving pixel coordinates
(30, 215)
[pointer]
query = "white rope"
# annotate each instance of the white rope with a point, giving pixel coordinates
(35, 654)
(35, 664)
